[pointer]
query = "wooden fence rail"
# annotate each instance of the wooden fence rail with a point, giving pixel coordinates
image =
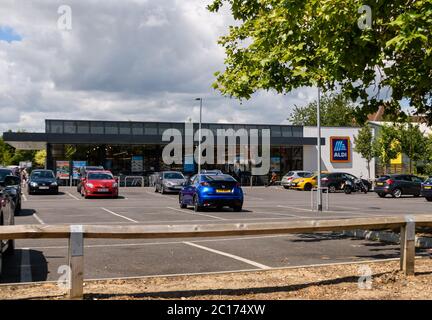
(77, 233)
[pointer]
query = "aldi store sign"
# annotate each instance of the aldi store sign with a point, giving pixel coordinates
(340, 149)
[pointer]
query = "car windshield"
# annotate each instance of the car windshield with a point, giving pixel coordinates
(310, 175)
(220, 177)
(100, 176)
(289, 174)
(4, 173)
(428, 180)
(42, 175)
(173, 175)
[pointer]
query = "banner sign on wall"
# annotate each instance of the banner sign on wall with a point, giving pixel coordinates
(62, 169)
(137, 164)
(75, 168)
(340, 148)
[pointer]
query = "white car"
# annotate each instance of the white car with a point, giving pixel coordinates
(292, 175)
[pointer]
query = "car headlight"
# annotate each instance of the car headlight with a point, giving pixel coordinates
(33, 184)
(115, 185)
(90, 185)
(54, 184)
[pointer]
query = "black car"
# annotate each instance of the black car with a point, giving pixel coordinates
(43, 181)
(335, 180)
(426, 189)
(7, 208)
(83, 173)
(13, 187)
(397, 185)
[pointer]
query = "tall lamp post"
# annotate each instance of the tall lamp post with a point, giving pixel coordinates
(319, 193)
(200, 137)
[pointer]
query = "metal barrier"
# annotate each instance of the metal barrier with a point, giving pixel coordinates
(135, 181)
(312, 198)
(77, 233)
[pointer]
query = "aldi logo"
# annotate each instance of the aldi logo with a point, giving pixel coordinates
(340, 149)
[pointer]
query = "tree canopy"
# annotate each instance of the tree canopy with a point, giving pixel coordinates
(286, 44)
(335, 109)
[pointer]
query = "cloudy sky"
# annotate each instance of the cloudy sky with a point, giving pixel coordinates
(139, 60)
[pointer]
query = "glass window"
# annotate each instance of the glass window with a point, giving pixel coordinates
(83, 127)
(97, 128)
(125, 128)
(163, 127)
(150, 128)
(297, 131)
(276, 131)
(70, 127)
(56, 127)
(286, 132)
(137, 129)
(111, 128)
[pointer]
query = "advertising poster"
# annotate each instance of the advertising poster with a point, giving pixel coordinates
(75, 168)
(62, 169)
(137, 164)
(189, 165)
(275, 164)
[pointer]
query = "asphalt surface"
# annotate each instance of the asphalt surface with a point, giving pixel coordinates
(40, 260)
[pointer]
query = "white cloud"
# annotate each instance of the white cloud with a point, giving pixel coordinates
(123, 60)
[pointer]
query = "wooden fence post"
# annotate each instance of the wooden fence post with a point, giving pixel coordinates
(76, 262)
(408, 246)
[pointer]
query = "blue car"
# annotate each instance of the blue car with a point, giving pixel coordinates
(426, 189)
(211, 190)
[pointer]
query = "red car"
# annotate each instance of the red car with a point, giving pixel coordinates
(99, 184)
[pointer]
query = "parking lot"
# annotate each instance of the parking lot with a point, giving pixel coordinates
(39, 260)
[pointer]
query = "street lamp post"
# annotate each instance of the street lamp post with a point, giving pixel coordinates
(319, 193)
(200, 136)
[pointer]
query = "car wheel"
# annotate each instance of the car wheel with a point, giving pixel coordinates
(197, 207)
(286, 187)
(307, 187)
(429, 199)
(156, 189)
(332, 189)
(417, 195)
(381, 195)
(237, 208)
(397, 193)
(182, 205)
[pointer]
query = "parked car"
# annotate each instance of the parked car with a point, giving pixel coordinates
(213, 171)
(82, 172)
(99, 184)
(288, 178)
(335, 180)
(426, 189)
(42, 181)
(6, 217)
(212, 190)
(13, 188)
(169, 181)
(397, 185)
(307, 183)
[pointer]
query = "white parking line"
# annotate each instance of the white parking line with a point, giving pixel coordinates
(295, 208)
(25, 268)
(253, 263)
(38, 218)
(195, 213)
(119, 215)
(72, 196)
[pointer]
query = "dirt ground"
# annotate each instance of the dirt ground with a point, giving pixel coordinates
(322, 282)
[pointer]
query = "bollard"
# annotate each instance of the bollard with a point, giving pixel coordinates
(76, 262)
(407, 246)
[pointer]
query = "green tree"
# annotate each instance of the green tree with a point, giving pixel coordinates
(335, 109)
(6, 153)
(281, 45)
(413, 142)
(387, 145)
(427, 159)
(40, 158)
(364, 145)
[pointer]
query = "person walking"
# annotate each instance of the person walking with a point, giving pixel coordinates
(272, 179)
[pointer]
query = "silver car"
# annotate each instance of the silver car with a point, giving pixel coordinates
(169, 181)
(292, 175)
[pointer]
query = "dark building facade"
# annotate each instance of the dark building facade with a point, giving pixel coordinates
(118, 145)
